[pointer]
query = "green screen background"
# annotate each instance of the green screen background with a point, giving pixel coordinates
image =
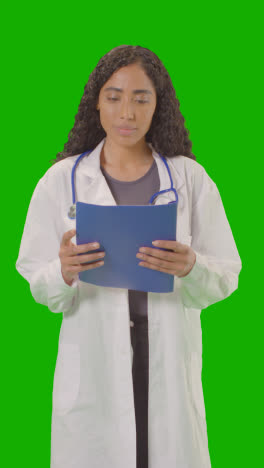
(212, 53)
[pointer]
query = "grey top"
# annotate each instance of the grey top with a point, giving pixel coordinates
(135, 192)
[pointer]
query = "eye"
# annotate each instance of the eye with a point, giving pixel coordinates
(138, 100)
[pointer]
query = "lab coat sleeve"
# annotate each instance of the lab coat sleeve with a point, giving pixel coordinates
(214, 275)
(38, 260)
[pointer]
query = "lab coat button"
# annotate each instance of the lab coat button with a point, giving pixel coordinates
(131, 323)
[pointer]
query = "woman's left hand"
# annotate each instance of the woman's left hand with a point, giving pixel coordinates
(179, 262)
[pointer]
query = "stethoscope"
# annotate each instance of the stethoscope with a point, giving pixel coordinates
(72, 210)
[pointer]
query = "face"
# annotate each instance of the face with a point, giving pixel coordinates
(132, 104)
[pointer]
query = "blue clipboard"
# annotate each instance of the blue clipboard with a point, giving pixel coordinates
(121, 230)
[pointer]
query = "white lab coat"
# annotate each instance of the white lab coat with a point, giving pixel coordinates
(93, 415)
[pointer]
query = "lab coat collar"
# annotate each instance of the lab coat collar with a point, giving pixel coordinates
(90, 166)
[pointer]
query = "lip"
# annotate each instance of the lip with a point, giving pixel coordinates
(125, 131)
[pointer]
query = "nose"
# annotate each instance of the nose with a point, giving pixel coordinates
(127, 110)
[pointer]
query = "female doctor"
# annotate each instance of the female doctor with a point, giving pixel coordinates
(127, 388)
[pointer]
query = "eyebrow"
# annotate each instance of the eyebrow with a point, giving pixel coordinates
(135, 91)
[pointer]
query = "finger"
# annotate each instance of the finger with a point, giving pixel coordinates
(163, 254)
(92, 265)
(79, 268)
(82, 248)
(158, 262)
(154, 267)
(80, 259)
(168, 244)
(67, 236)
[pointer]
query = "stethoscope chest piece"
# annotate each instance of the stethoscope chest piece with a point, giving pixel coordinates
(72, 211)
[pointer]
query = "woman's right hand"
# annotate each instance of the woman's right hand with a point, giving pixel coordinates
(71, 263)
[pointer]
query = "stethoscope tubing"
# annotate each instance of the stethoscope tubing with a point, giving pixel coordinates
(72, 208)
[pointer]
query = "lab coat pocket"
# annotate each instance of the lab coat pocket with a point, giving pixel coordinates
(196, 383)
(66, 378)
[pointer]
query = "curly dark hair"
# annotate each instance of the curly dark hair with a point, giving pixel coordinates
(167, 132)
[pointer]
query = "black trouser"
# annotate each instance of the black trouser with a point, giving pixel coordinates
(140, 372)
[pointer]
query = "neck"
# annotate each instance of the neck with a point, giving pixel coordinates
(114, 155)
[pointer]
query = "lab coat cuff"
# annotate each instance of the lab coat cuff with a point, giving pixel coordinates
(197, 270)
(58, 283)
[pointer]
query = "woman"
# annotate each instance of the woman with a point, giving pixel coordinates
(127, 385)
